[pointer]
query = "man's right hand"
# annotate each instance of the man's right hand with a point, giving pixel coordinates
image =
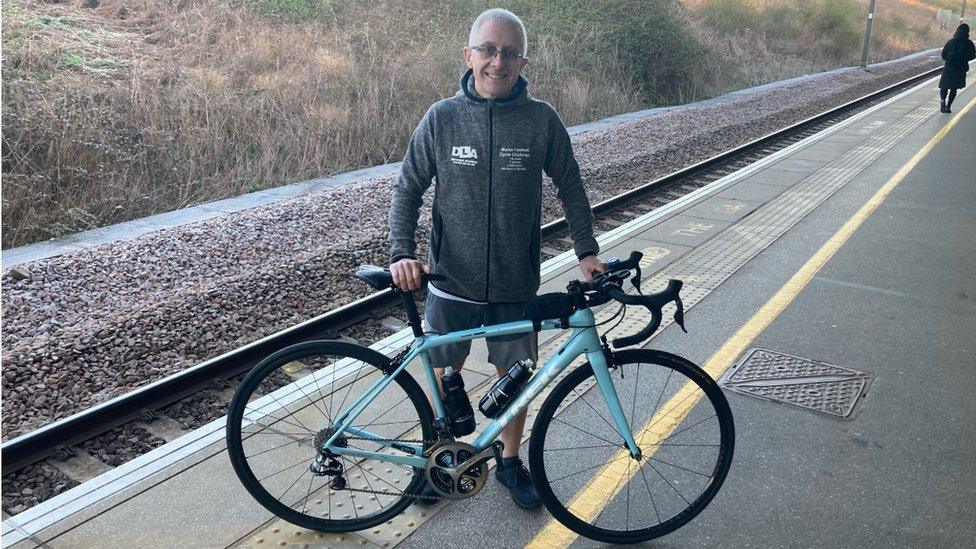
(406, 273)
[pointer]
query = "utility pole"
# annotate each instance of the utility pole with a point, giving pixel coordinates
(867, 36)
(963, 16)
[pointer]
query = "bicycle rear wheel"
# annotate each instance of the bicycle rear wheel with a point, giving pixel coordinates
(285, 409)
(587, 478)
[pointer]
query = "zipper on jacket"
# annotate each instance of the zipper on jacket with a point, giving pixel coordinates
(491, 154)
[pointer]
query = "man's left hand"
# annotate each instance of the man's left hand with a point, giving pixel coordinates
(591, 264)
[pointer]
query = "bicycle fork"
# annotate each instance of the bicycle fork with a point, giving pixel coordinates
(601, 371)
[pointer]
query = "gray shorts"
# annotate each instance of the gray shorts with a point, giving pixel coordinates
(443, 315)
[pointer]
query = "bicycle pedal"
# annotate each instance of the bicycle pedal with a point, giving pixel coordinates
(497, 448)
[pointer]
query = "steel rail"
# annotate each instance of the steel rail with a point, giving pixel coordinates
(36, 445)
(32, 447)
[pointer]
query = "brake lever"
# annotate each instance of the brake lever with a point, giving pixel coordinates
(679, 314)
(636, 279)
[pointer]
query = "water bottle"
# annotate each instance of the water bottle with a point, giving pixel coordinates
(456, 401)
(505, 389)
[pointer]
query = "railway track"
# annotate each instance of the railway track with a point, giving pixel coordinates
(79, 447)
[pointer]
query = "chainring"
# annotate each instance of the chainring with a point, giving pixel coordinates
(443, 474)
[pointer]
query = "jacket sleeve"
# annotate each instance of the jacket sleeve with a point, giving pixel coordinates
(561, 166)
(416, 174)
(945, 50)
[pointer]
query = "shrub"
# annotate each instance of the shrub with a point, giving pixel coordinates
(651, 41)
(782, 22)
(837, 24)
(732, 16)
(834, 26)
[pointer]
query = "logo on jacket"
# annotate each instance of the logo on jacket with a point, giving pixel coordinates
(465, 156)
(513, 159)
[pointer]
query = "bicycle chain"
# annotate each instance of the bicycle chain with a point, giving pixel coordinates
(382, 493)
(401, 494)
(432, 442)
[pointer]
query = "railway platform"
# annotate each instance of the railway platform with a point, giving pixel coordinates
(852, 249)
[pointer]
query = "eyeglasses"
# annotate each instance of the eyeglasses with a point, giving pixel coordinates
(489, 52)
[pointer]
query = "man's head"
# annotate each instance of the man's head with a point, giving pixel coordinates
(496, 52)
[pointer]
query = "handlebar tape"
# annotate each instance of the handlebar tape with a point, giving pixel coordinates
(654, 303)
(631, 262)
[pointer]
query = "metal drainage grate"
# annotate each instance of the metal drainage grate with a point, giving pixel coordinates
(799, 381)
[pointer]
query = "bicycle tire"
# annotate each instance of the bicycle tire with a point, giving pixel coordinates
(560, 506)
(372, 361)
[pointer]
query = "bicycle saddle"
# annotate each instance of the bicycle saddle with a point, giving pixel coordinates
(381, 278)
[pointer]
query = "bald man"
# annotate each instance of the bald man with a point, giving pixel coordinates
(487, 147)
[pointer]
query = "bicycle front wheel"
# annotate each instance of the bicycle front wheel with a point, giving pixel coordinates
(586, 476)
(286, 408)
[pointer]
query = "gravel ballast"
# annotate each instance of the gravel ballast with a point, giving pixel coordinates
(86, 326)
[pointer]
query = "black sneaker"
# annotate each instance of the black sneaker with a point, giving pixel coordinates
(513, 475)
(428, 496)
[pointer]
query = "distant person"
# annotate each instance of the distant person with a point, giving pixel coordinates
(957, 52)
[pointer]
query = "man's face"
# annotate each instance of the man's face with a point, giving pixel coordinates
(495, 76)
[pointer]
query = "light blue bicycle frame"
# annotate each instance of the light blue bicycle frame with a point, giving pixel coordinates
(584, 340)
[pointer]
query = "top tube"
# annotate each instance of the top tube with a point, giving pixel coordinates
(507, 328)
(579, 319)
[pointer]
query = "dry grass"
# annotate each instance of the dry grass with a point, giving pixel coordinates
(761, 41)
(156, 106)
(134, 107)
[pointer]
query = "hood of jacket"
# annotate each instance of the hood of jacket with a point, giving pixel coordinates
(517, 98)
(962, 31)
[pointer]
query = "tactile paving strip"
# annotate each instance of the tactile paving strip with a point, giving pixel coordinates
(802, 382)
(702, 269)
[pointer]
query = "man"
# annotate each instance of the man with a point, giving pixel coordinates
(488, 146)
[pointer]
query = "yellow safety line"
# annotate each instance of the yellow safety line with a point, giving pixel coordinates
(617, 471)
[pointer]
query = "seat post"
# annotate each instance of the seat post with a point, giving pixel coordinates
(413, 317)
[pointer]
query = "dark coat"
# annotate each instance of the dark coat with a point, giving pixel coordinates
(957, 52)
(488, 157)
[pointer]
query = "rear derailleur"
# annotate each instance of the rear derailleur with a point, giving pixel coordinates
(326, 462)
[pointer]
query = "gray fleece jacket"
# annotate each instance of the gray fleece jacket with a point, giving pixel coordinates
(488, 156)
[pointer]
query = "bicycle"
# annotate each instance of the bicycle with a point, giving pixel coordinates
(361, 464)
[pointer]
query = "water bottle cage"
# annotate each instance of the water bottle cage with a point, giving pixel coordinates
(499, 408)
(460, 415)
(503, 392)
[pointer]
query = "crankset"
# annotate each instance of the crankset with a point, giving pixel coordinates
(457, 470)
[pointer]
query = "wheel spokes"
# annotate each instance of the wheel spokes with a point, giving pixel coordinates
(680, 438)
(286, 418)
